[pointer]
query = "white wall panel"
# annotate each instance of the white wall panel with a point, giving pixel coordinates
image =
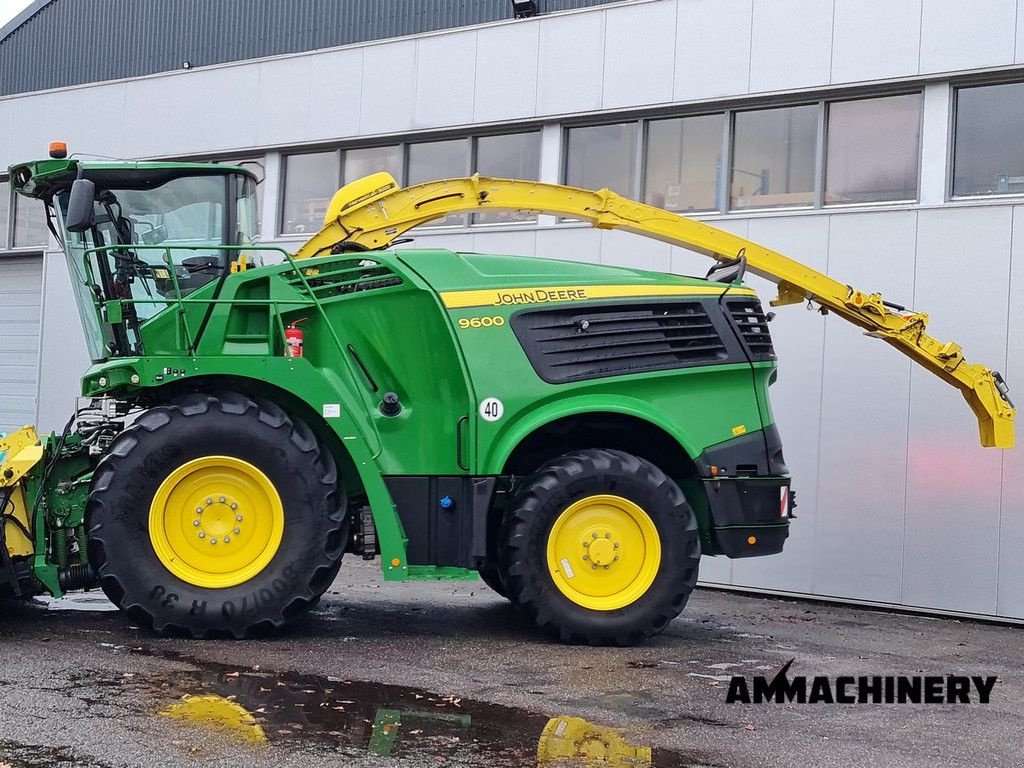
(571, 56)
(569, 244)
(790, 44)
(712, 48)
(30, 129)
(796, 401)
(859, 514)
(336, 89)
(284, 91)
(639, 56)
(623, 249)
(959, 35)
(1010, 595)
(875, 39)
(953, 493)
(506, 72)
(90, 120)
(203, 110)
(389, 81)
(522, 243)
(445, 75)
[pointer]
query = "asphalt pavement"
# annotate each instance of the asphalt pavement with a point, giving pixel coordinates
(446, 674)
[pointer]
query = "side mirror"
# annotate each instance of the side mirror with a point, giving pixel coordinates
(79, 217)
(728, 271)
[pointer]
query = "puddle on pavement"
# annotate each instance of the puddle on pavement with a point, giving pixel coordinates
(268, 710)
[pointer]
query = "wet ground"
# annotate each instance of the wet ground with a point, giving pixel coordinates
(445, 674)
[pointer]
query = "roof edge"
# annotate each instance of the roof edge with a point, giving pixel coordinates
(33, 8)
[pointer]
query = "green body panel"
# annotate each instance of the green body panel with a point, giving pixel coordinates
(373, 323)
(400, 338)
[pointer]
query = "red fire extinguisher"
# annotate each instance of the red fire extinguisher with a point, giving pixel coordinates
(293, 339)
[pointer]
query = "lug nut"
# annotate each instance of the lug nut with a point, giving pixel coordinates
(199, 510)
(607, 567)
(615, 558)
(594, 535)
(213, 541)
(209, 502)
(594, 567)
(202, 535)
(607, 535)
(616, 545)
(227, 539)
(238, 531)
(234, 505)
(238, 518)
(585, 557)
(586, 543)
(195, 523)
(222, 499)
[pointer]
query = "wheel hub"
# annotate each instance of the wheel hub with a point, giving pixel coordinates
(216, 521)
(603, 552)
(219, 520)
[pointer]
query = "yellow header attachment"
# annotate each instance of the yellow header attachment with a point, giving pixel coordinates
(372, 212)
(19, 452)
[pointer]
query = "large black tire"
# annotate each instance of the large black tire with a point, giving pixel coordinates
(164, 438)
(492, 578)
(541, 499)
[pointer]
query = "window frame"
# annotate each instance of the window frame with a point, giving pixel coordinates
(955, 86)
(403, 145)
(823, 180)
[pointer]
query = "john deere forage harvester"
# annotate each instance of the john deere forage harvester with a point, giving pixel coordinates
(579, 435)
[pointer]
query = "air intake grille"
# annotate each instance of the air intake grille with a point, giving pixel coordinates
(749, 319)
(346, 276)
(574, 343)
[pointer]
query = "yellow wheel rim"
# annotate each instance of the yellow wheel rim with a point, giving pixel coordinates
(216, 522)
(603, 552)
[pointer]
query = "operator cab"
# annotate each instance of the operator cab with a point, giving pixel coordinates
(143, 235)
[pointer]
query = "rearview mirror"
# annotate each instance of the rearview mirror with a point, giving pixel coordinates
(728, 271)
(79, 217)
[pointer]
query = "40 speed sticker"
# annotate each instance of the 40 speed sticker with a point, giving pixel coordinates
(491, 409)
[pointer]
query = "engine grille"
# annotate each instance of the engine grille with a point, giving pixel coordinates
(750, 320)
(570, 344)
(347, 276)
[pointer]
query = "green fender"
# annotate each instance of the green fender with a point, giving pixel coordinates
(515, 432)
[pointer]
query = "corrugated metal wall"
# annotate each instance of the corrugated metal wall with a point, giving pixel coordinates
(83, 41)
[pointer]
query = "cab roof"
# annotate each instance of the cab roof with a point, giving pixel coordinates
(44, 178)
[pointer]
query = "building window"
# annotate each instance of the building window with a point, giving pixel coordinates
(682, 165)
(29, 223)
(873, 149)
(435, 160)
(988, 151)
(310, 180)
(513, 156)
(774, 153)
(363, 162)
(602, 156)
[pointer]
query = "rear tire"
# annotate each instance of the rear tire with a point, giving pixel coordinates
(221, 456)
(492, 578)
(600, 548)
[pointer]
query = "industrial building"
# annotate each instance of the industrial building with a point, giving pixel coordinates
(878, 141)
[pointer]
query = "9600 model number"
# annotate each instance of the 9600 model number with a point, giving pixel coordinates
(481, 322)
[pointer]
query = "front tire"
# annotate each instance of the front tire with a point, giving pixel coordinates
(600, 548)
(216, 516)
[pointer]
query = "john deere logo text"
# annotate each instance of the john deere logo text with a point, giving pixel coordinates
(867, 689)
(540, 295)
